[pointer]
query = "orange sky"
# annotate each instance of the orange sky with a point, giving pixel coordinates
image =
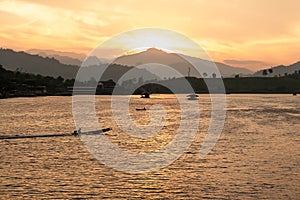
(248, 33)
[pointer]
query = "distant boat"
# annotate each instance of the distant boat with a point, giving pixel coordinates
(145, 95)
(192, 97)
(138, 109)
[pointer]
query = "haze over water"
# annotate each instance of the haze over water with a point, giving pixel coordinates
(256, 157)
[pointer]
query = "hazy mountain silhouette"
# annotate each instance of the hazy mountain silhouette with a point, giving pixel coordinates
(36, 64)
(49, 52)
(115, 72)
(150, 55)
(176, 61)
(280, 70)
(94, 60)
(69, 58)
(46, 66)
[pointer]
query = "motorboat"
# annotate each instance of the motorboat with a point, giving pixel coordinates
(138, 109)
(192, 97)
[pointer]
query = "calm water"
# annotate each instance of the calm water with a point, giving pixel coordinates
(257, 156)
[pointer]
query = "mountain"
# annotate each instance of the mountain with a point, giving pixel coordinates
(116, 72)
(49, 52)
(94, 60)
(280, 70)
(151, 55)
(46, 66)
(178, 62)
(36, 64)
(67, 58)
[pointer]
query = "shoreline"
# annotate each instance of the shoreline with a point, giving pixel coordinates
(68, 95)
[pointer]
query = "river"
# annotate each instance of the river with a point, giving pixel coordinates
(256, 157)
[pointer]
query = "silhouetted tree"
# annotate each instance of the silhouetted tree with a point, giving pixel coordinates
(60, 79)
(270, 71)
(265, 72)
(69, 82)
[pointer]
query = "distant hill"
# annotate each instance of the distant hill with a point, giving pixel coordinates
(178, 62)
(49, 52)
(280, 70)
(46, 66)
(93, 60)
(35, 64)
(68, 58)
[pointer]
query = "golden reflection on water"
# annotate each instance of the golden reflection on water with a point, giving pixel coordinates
(257, 155)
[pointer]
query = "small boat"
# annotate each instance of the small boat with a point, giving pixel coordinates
(192, 97)
(145, 95)
(138, 109)
(75, 133)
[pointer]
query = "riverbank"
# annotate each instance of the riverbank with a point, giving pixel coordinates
(19, 84)
(59, 95)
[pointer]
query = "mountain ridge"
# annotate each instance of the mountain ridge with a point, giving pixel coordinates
(49, 52)
(48, 66)
(35, 64)
(45, 66)
(178, 62)
(279, 70)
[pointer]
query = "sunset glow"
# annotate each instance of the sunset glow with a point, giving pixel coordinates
(139, 40)
(252, 34)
